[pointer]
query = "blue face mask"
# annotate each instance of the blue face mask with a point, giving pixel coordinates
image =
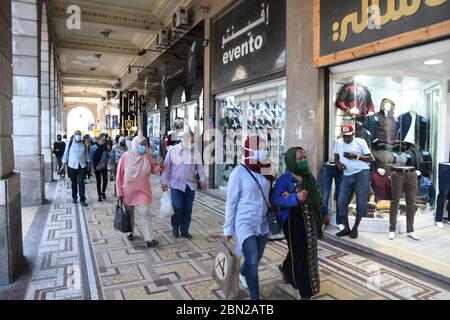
(142, 149)
(77, 138)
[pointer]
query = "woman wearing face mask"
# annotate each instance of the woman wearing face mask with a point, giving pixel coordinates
(297, 195)
(118, 150)
(246, 210)
(133, 184)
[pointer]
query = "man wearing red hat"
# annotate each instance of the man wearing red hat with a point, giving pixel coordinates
(353, 156)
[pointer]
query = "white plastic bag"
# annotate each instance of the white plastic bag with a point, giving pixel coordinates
(166, 209)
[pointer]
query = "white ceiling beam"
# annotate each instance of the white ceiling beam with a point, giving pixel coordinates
(97, 47)
(88, 76)
(82, 96)
(85, 85)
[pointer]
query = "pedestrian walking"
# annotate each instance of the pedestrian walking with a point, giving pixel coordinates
(76, 161)
(181, 167)
(133, 184)
(246, 210)
(58, 150)
(298, 196)
(352, 155)
(99, 158)
(89, 143)
(118, 150)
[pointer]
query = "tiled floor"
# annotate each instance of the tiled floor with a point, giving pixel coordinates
(81, 256)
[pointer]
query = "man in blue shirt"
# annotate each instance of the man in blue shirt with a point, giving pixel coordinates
(76, 158)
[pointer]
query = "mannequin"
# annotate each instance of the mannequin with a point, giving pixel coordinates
(355, 100)
(382, 124)
(444, 192)
(413, 128)
(381, 185)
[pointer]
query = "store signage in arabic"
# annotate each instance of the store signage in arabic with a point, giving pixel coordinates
(371, 17)
(249, 45)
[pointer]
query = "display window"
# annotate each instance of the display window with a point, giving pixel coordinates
(154, 133)
(258, 110)
(398, 104)
(186, 115)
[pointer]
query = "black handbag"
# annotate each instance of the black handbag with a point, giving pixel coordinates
(276, 232)
(122, 220)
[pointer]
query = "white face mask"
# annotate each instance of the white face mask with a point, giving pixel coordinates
(260, 155)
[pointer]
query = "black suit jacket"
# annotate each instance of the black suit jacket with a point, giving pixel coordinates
(422, 129)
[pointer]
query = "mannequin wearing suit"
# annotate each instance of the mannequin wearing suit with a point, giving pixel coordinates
(413, 128)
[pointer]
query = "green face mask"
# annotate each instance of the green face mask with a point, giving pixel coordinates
(302, 165)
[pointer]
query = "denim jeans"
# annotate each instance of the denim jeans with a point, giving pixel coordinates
(253, 250)
(444, 191)
(59, 163)
(330, 172)
(358, 182)
(182, 203)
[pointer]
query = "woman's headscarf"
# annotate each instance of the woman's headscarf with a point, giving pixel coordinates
(137, 166)
(314, 200)
(252, 143)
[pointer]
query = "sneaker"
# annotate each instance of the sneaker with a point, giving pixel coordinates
(413, 236)
(84, 204)
(130, 237)
(186, 235)
(74, 201)
(152, 243)
(391, 235)
(440, 225)
(100, 199)
(243, 280)
(103, 196)
(341, 227)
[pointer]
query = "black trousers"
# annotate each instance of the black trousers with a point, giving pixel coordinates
(100, 176)
(77, 177)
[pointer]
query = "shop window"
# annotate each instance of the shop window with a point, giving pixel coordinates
(258, 110)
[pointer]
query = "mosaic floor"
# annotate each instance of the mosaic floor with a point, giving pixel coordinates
(81, 256)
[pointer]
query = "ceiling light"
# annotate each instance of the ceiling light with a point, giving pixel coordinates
(105, 33)
(93, 68)
(432, 62)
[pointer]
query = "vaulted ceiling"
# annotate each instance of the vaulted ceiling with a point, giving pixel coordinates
(90, 63)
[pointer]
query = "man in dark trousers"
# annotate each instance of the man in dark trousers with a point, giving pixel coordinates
(58, 150)
(76, 159)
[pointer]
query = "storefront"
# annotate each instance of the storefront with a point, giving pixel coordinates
(397, 101)
(248, 68)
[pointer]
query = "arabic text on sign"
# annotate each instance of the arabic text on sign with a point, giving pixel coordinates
(370, 15)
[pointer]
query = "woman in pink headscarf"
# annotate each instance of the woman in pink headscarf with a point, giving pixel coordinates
(133, 184)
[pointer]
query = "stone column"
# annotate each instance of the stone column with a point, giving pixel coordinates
(305, 85)
(11, 248)
(53, 133)
(29, 160)
(45, 98)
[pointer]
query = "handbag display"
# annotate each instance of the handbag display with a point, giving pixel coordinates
(276, 232)
(122, 219)
(226, 270)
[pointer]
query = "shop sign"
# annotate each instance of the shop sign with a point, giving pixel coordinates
(143, 104)
(344, 30)
(132, 102)
(108, 121)
(248, 41)
(116, 124)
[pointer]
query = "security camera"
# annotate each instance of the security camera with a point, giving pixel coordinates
(105, 33)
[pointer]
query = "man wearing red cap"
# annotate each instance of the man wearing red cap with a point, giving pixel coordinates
(353, 156)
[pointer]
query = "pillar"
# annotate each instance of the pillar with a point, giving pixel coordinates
(45, 97)
(53, 133)
(305, 85)
(28, 157)
(11, 248)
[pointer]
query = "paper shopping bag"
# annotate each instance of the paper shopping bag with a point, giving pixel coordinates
(226, 270)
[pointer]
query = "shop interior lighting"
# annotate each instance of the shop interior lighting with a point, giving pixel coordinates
(432, 62)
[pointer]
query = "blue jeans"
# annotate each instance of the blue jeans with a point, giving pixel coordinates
(358, 182)
(444, 191)
(182, 203)
(59, 163)
(330, 172)
(253, 250)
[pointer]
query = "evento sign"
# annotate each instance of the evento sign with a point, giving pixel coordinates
(248, 40)
(353, 28)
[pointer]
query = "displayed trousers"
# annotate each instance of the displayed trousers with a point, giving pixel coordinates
(144, 219)
(329, 173)
(408, 181)
(77, 177)
(444, 191)
(358, 183)
(102, 181)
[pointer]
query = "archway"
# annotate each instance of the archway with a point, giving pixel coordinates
(80, 118)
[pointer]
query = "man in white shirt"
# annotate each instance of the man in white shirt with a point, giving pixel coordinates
(353, 156)
(76, 158)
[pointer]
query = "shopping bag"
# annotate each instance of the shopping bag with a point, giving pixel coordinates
(122, 220)
(166, 209)
(226, 270)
